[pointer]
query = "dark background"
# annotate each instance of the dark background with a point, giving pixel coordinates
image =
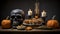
(51, 7)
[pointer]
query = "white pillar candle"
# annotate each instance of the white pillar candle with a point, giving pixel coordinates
(43, 14)
(30, 12)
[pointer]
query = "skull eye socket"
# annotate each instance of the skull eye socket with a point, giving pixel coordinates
(12, 17)
(19, 17)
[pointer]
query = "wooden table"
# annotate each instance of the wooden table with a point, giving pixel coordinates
(15, 31)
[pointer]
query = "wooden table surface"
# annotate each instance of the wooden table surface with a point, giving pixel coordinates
(35, 31)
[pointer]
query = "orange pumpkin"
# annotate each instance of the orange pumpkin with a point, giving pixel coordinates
(28, 28)
(52, 23)
(33, 20)
(36, 17)
(26, 21)
(6, 23)
(30, 21)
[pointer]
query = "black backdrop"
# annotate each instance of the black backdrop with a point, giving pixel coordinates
(51, 7)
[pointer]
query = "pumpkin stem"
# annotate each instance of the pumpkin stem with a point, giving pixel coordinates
(54, 17)
(7, 17)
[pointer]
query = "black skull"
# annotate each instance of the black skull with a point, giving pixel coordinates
(17, 17)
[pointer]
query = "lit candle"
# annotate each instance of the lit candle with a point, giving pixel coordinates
(43, 14)
(30, 12)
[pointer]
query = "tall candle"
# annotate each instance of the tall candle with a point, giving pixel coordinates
(30, 12)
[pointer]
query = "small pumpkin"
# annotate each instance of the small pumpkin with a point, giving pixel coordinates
(52, 23)
(33, 20)
(30, 21)
(26, 21)
(6, 23)
(28, 28)
(36, 17)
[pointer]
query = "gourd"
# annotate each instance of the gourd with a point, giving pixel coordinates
(6, 23)
(52, 23)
